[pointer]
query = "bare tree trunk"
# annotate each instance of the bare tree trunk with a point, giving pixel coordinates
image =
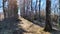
(59, 12)
(32, 12)
(36, 10)
(24, 8)
(28, 8)
(48, 26)
(4, 9)
(13, 10)
(39, 9)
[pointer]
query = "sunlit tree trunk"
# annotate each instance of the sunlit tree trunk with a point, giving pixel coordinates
(13, 9)
(20, 4)
(24, 8)
(48, 26)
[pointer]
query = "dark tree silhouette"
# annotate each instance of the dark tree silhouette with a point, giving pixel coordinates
(4, 8)
(59, 12)
(48, 26)
(27, 10)
(36, 10)
(39, 9)
(24, 8)
(32, 13)
(26, 5)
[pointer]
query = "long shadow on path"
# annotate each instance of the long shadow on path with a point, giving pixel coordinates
(10, 27)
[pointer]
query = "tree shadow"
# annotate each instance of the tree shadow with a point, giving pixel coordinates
(55, 31)
(11, 26)
(42, 24)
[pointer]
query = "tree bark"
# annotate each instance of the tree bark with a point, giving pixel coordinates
(59, 12)
(48, 26)
(39, 9)
(4, 9)
(32, 12)
(24, 8)
(13, 10)
(27, 10)
(36, 14)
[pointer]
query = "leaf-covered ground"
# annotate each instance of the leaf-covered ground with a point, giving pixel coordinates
(22, 27)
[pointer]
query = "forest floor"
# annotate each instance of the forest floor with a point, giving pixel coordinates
(22, 27)
(32, 28)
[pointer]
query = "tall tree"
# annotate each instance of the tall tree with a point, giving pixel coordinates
(48, 26)
(36, 10)
(28, 8)
(13, 9)
(32, 12)
(59, 12)
(4, 8)
(39, 8)
(24, 8)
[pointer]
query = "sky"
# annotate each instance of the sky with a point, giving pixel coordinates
(43, 4)
(1, 5)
